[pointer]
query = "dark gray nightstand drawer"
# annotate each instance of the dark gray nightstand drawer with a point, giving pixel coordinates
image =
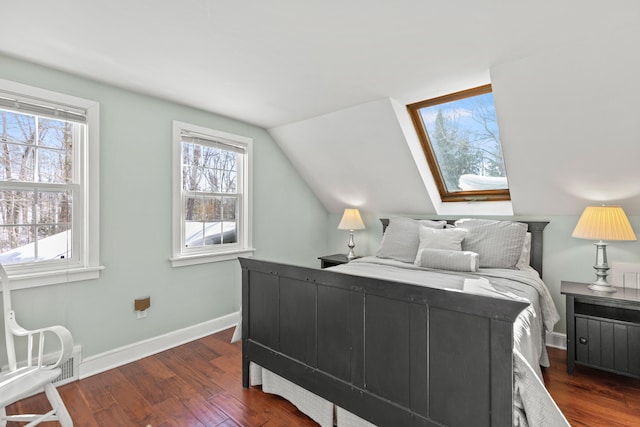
(608, 344)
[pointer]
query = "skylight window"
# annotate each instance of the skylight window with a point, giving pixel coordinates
(461, 142)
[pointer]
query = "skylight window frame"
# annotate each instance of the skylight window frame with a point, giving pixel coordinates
(432, 162)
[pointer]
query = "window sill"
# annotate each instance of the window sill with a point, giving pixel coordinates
(185, 260)
(46, 278)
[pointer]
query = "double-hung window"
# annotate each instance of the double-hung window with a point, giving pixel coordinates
(461, 142)
(212, 171)
(47, 152)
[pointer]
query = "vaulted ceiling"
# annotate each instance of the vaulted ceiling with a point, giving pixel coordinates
(330, 79)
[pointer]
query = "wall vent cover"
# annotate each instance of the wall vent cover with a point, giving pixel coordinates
(70, 368)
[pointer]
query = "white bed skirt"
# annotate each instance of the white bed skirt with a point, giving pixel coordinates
(315, 407)
(325, 413)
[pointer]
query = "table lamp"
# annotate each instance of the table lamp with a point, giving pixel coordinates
(351, 221)
(603, 223)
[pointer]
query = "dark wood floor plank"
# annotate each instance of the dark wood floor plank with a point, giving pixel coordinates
(592, 397)
(154, 389)
(154, 366)
(200, 375)
(173, 409)
(93, 392)
(221, 343)
(199, 384)
(76, 403)
(112, 416)
(136, 405)
(207, 413)
(237, 410)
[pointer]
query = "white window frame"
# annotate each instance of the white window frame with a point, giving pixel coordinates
(182, 256)
(85, 262)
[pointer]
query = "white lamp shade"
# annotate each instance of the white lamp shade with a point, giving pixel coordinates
(351, 220)
(604, 223)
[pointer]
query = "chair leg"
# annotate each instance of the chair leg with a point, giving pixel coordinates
(3, 417)
(56, 403)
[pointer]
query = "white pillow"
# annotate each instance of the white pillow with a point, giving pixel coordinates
(524, 261)
(401, 239)
(444, 259)
(447, 238)
(498, 243)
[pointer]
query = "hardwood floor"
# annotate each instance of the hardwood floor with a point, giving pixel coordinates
(196, 384)
(199, 384)
(591, 397)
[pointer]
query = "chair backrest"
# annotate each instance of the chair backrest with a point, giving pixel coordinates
(6, 312)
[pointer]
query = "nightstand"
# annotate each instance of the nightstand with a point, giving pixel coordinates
(603, 329)
(331, 260)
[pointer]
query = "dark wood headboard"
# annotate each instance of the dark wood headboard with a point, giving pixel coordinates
(536, 228)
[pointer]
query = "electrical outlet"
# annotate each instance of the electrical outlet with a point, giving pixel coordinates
(141, 305)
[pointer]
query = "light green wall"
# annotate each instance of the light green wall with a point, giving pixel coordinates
(565, 258)
(289, 223)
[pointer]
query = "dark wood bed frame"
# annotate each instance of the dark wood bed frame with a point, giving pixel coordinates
(391, 353)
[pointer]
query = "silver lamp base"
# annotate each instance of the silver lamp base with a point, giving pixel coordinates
(602, 268)
(351, 255)
(602, 288)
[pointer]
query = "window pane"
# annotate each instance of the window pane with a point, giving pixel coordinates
(17, 127)
(54, 207)
(53, 215)
(54, 242)
(200, 234)
(228, 179)
(16, 207)
(208, 169)
(229, 208)
(54, 133)
(190, 178)
(192, 209)
(54, 166)
(16, 244)
(18, 162)
(465, 139)
(187, 153)
(210, 221)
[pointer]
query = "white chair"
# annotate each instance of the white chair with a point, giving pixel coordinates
(23, 381)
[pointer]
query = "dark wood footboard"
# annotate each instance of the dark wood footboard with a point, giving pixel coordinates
(394, 354)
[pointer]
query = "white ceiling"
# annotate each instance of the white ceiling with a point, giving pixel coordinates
(273, 62)
(307, 71)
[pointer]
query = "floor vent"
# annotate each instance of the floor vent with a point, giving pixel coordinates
(70, 368)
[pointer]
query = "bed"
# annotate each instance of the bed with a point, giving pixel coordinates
(388, 342)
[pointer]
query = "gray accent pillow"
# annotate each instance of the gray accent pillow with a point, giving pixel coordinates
(447, 238)
(497, 243)
(444, 259)
(401, 238)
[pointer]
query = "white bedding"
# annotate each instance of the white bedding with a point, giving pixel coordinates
(533, 406)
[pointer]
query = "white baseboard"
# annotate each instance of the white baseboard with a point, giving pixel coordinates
(117, 357)
(557, 340)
